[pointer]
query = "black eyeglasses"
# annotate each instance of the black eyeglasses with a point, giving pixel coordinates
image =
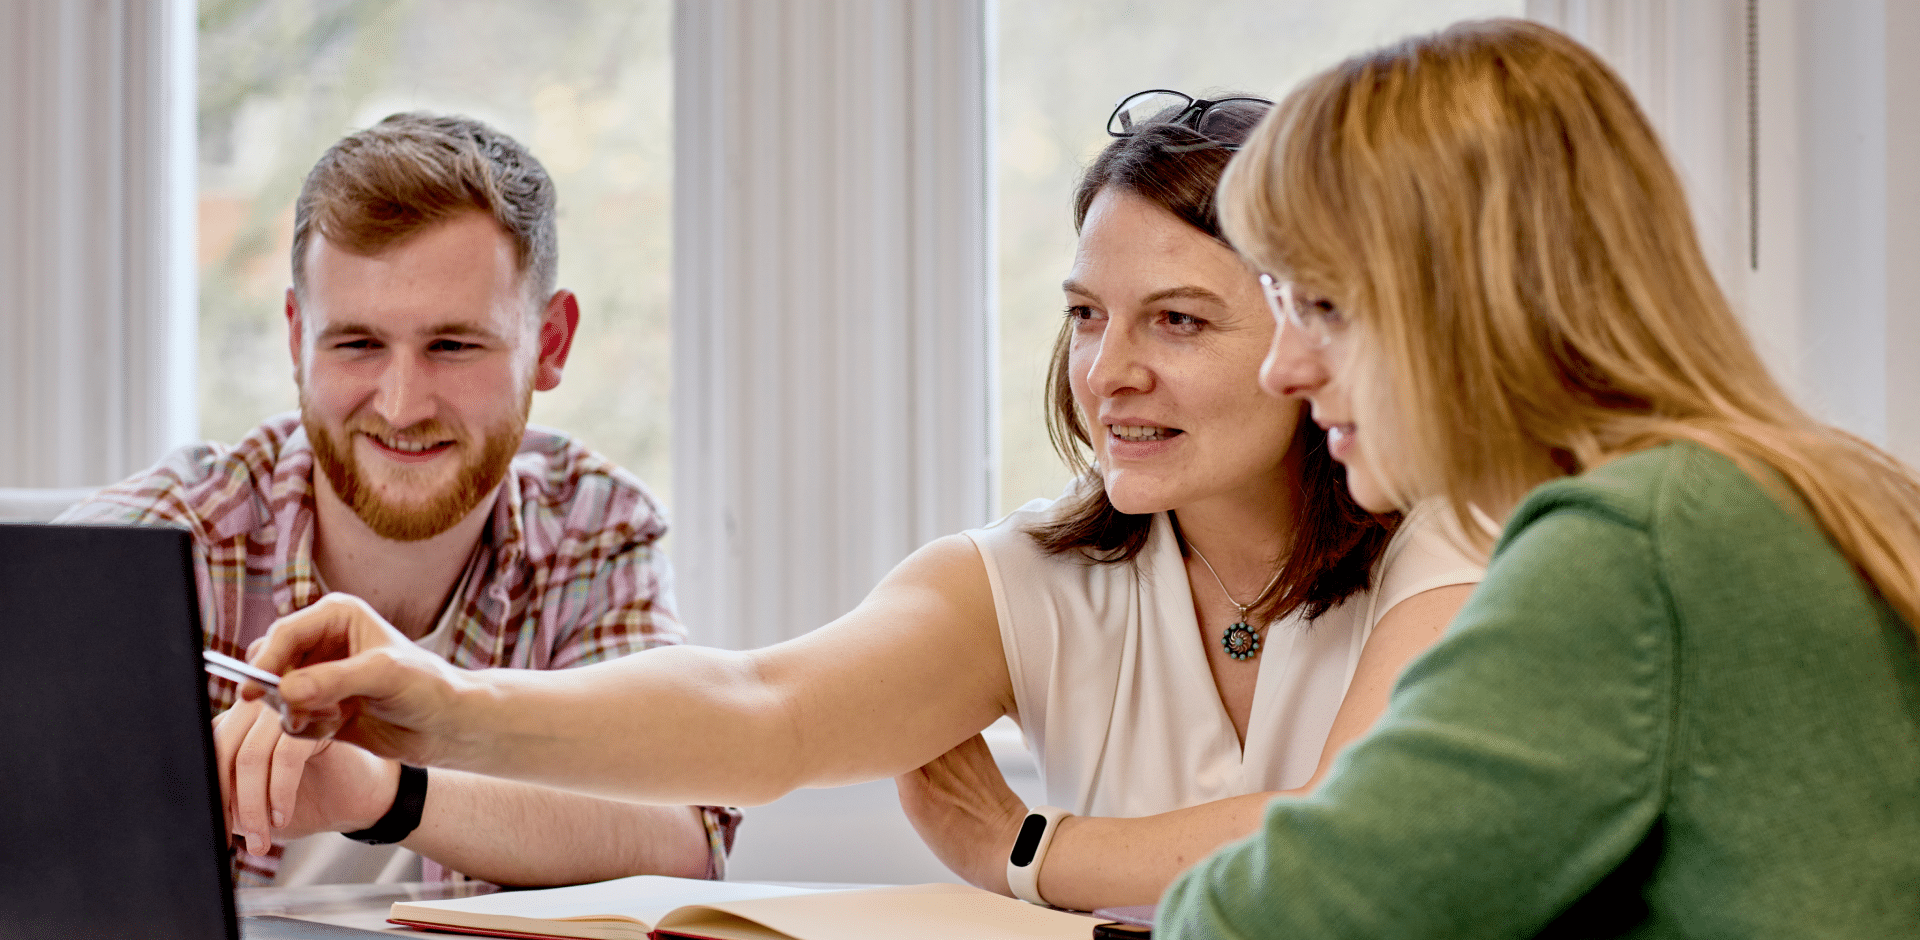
(1165, 106)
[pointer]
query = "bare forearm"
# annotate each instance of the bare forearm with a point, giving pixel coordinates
(518, 834)
(1106, 862)
(693, 725)
(673, 725)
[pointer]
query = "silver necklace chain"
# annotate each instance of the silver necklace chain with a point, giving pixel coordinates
(1241, 641)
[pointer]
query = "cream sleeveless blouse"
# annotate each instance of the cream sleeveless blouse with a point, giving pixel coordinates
(1111, 681)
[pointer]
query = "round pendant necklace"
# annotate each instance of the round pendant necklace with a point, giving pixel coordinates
(1240, 641)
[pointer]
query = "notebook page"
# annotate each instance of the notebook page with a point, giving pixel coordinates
(923, 912)
(641, 898)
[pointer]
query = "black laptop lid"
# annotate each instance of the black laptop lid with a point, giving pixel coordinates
(110, 824)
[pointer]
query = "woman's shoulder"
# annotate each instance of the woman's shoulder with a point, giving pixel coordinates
(1013, 552)
(1032, 512)
(1011, 534)
(1429, 550)
(1677, 488)
(1016, 528)
(1701, 522)
(1626, 488)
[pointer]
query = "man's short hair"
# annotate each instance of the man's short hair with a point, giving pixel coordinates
(414, 170)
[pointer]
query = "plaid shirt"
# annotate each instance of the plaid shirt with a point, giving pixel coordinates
(569, 572)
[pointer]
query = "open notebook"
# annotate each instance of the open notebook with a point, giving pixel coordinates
(659, 907)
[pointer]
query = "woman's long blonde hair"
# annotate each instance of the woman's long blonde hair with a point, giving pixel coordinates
(1498, 217)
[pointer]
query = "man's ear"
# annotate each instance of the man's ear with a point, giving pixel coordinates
(293, 331)
(557, 324)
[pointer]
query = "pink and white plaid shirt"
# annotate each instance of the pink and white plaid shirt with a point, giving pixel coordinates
(569, 573)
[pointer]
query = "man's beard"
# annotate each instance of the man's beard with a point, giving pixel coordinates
(474, 481)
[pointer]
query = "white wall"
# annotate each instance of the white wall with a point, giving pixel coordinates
(1809, 126)
(1902, 161)
(1845, 155)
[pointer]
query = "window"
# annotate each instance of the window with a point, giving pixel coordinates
(585, 85)
(1063, 65)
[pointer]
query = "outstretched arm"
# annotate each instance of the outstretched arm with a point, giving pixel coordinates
(962, 807)
(915, 669)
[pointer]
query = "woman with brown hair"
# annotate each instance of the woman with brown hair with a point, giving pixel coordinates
(1204, 618)
(1686, 699)
(1205, 508)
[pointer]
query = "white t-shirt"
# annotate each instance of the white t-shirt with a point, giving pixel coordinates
(1110, 674)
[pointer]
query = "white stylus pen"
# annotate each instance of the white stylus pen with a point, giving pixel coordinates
(240, 672)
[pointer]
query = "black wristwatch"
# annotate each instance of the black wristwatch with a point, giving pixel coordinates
(403, 816)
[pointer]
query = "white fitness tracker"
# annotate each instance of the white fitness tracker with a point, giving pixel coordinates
(1030, 849)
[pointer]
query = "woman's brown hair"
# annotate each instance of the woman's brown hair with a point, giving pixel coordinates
(1334, 542)
(1490, 206)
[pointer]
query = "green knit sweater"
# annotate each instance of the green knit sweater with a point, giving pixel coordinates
(1672, 709)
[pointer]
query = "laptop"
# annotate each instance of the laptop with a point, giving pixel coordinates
(110, 815)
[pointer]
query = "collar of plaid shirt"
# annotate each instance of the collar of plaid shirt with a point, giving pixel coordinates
(288, 499)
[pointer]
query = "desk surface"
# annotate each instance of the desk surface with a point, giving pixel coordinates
(366, 906)
(362, 906)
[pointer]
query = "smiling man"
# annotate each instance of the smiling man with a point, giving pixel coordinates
(422, 318)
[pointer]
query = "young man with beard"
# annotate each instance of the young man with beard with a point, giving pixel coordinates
(422, 317)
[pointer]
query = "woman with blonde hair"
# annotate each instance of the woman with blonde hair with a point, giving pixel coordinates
(1685, 701)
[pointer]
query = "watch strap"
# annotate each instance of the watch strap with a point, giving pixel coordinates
(409, 800)
(1030, 850)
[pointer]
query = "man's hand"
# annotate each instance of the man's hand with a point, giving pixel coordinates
(278, 787)
(347, 673)
(965, 812)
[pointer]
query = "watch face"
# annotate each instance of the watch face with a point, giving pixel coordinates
(1028, 840)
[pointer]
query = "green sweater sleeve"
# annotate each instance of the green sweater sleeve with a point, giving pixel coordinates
(1521, 761)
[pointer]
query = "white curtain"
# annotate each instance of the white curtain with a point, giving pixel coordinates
(96, 238)
(831, 328)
